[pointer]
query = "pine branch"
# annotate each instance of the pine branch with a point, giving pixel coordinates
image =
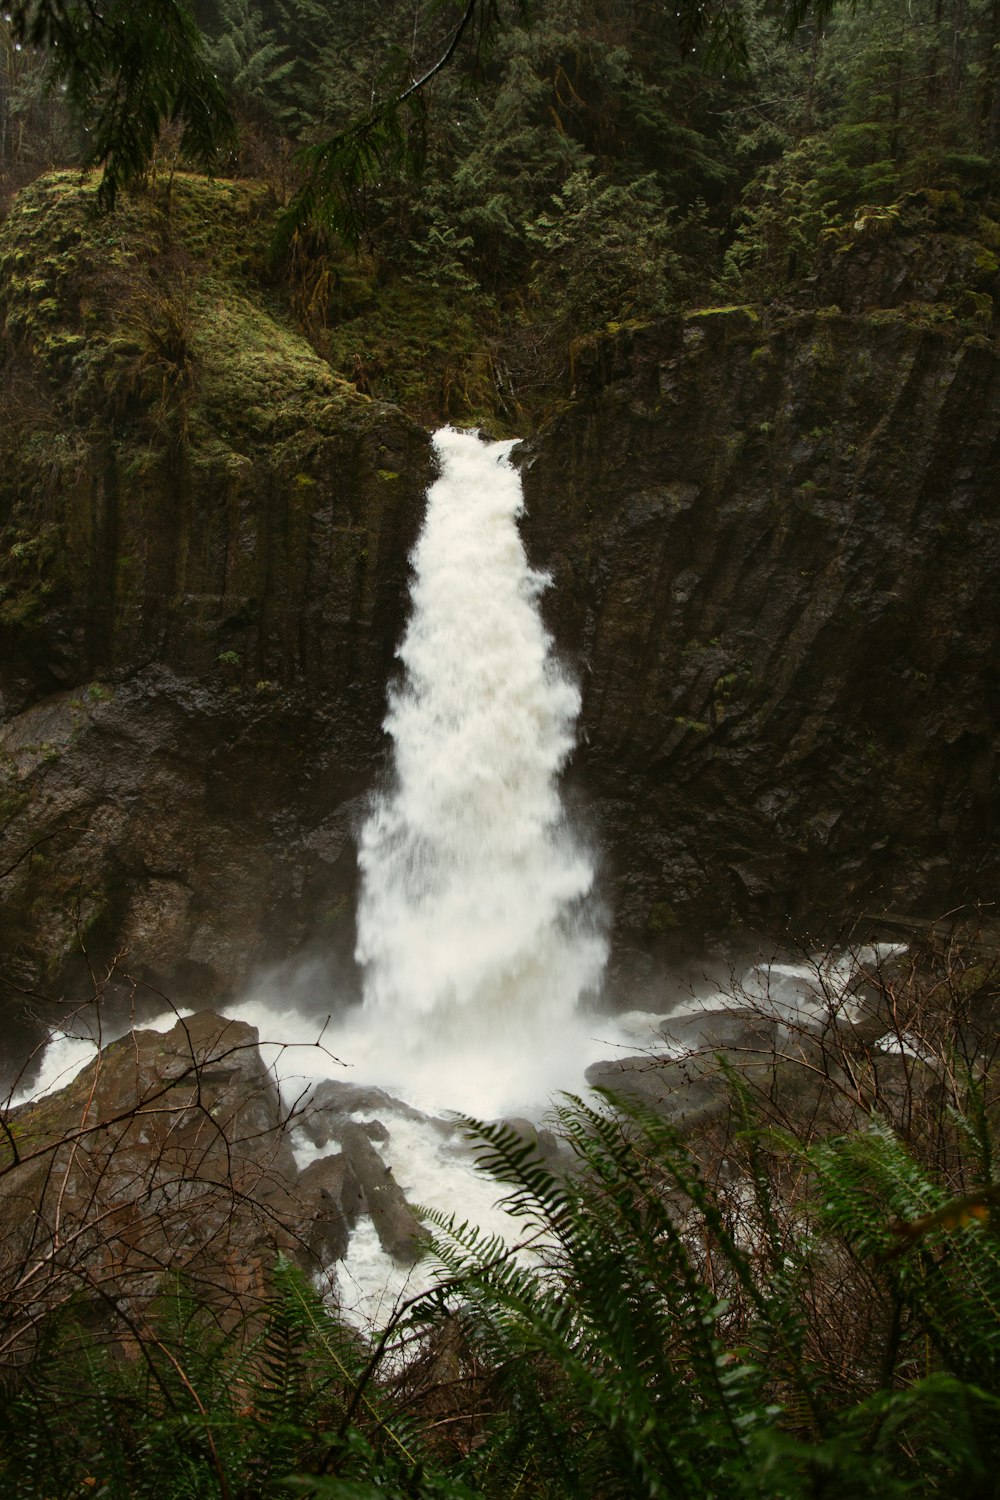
(128, 71)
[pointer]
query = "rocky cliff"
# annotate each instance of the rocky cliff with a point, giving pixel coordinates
(204, 564)
(775, 550)
(775, 553)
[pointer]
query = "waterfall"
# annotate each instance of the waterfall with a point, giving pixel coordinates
(476, 929)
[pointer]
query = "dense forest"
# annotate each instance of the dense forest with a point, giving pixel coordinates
(569, 167)
(461, 209)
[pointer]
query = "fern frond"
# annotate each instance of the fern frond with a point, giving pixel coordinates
(951, 1279)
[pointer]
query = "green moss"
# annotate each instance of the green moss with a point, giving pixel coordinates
(915, 314)
(157, 312)
(253, 371)
(988, 232)
(30, 564)
(662, 918)
(413, 344)
(978, 308)
(741, 309)
(148, 338)
(629, 323)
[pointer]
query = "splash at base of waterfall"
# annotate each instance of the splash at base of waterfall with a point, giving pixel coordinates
(487, 1072)
(427, 1157)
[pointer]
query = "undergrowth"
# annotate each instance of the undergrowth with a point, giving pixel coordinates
(764, 1314)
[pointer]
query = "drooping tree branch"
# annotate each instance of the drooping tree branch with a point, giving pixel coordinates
(389, 138)
(129, 70)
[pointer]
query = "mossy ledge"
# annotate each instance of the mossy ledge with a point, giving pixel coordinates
(175, 452)
(199, 517)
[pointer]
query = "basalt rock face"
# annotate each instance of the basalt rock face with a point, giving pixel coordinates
(776, 566)
(775, 554)
(203, 576)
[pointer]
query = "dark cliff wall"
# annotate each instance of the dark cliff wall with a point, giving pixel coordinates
(203, 576)
(776, 563)
(775, 555)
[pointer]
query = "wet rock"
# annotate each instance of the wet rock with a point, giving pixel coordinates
(681, 1091)
(749, 1040)
(925, 250)
(552, 1151)
(399, 1230)
(330, 1191)
(757, 1047)
(169, 1153)
(331, 1103)
(785, 663)
(723, 1031)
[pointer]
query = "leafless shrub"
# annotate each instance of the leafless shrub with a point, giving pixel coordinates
(168, 1153)
(905, 1036)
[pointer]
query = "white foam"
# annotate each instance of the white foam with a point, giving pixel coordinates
(476, 928)
(63, 1057)
(67, 1053)
(808, 993)
(435, 1170)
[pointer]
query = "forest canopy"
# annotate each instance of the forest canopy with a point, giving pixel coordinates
(478, 163)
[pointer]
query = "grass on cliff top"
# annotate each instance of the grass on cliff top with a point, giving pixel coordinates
(158, 313)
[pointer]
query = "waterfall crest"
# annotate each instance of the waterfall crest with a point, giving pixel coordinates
(475, 923)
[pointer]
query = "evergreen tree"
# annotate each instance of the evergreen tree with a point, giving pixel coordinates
(129, 70)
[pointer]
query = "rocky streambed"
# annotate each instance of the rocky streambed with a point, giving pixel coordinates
(193, 1148)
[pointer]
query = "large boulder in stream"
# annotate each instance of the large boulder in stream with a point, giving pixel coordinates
(330, 1114)
(170, 1153)
(398, 1228)
(331, 1184)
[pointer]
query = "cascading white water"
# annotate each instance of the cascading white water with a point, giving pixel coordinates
(473, 925)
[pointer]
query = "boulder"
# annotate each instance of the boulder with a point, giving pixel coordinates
(332, 1196)
(398, 1228)
(682, 1091)
(167, 1154)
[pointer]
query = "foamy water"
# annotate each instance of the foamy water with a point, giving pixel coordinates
(69, 1050)
(434, 1166)
(477, 931)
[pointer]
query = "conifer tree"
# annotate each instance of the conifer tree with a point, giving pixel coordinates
(129, 70)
